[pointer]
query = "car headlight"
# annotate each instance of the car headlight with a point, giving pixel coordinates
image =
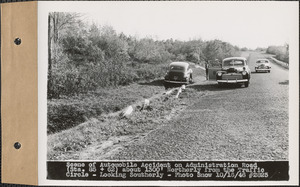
(244, 73)
(219, 74)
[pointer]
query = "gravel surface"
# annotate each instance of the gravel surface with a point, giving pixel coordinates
(222, 123)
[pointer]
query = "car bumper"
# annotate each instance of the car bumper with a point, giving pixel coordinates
(178, 82)
(262, 69)
(233, 81)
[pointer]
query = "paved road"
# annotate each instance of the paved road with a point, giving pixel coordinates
(231, 123)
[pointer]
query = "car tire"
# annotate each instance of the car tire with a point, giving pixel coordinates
(247, 84)
(269, 71)
(255, 71)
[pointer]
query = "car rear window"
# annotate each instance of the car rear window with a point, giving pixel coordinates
(176, 68)
(235, 62)
(262, 61)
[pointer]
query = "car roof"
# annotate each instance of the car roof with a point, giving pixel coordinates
(182, 64)
(235, 58)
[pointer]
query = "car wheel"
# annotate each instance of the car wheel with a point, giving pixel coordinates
(255, 71)
(269, 71)
(246, 84)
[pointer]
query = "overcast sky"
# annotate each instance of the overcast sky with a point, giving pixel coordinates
(245, 24)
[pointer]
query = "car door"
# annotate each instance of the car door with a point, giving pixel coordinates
(212, 73)
(247, 67)
(189, 71)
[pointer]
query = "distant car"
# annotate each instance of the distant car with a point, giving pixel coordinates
(179, 72)
(234, 70)
(263, 65)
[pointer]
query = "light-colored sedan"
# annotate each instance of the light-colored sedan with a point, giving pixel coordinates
(263, 65)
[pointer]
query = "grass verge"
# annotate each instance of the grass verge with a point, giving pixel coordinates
(80, 122)
(69, 143)
(69, 112)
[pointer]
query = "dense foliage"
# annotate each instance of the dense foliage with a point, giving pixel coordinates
(281, 52)
(85, 57)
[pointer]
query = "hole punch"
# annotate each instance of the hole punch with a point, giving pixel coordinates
(17, 145)
(18, 41)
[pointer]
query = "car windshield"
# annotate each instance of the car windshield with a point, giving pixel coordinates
(234, 62)
(177, 68)
(262, 61)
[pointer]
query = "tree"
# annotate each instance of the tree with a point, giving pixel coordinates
(212, 51)
(57, 22)
(287, 54)
(216, 49)
(149, 51)
(280, 52)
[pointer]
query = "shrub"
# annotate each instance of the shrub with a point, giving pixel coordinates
(64, 116)
(281, 52)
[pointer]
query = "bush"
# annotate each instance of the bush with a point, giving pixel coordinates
(149, 51)
(217, 49)
(66, 113)
(281, 52)
(63, 116)
(86, 57)
(150, 72)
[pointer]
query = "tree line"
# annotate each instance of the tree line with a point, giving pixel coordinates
(281, 52)
(84, 57)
